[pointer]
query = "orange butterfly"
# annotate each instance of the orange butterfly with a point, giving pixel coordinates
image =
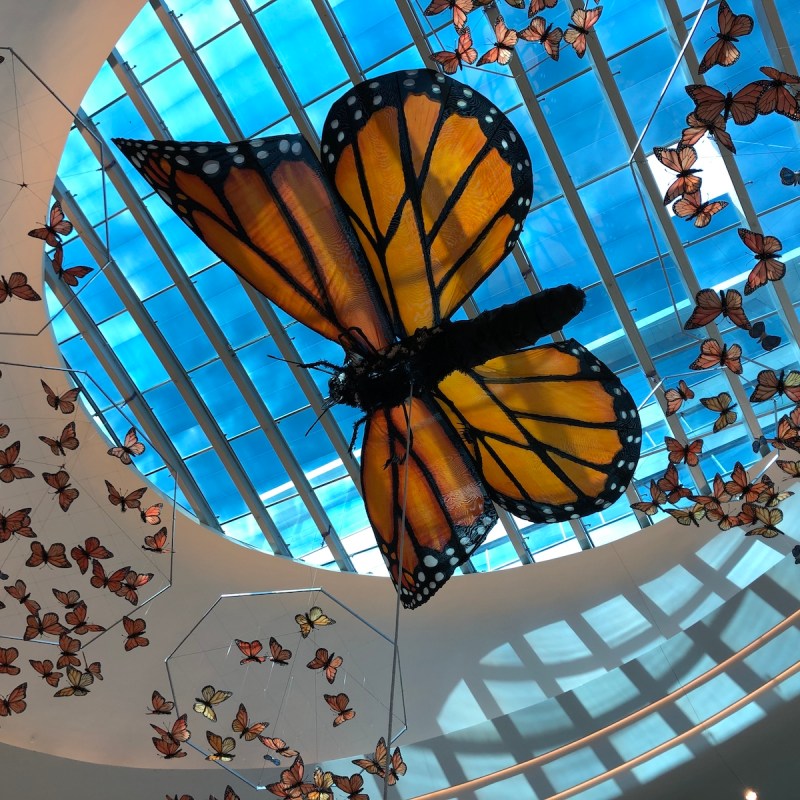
(767, 267)
(47, 625)
(251, 651)
(16, 523)
(76, 619)
(134, 628)
(241, 725)
(328, 663)
(17, 286)
(697, 128)
(540, 5)
(669, 483)
(7, 656)
(179, 732)
(314, 619)
(222, 748)
(375, 764)
(338, 704)
(279, 746)
(711, 304)
(131, 583)
(64, 403)
(55, 229)
(731, 26)
(291, 783)
(8, 469)
(91, 549)
(460, 10)
(130, 448)
(710, 103)
(658, 498)
(546, 35)
(278, 654)
(775, 96)
(68, 599)
(45, 669)
(503, 48)
(19, 591)
(353, 785)
(160, 705)
(714, 355)
(112, 582)
(583, 20)
(724, 520)
(132, 500)
(679, 159)
(790, 467)
(768, 384)
(723, 406)
(464, 53)
(742, 487)
(688, 453)
(71, 275)
(690, 207)
(152, 514)
(156, 542)
(769, 519)
(167, 748)
(321, 788)
(59, 481)
(67, 441)
(719, 494)
(15, 702)
(688, 516)
(69, 647)
(55, 556)
(676, 397)
(94, 669)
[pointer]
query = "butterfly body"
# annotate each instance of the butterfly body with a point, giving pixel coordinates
(731, 26)
(711, 304)
(790, 177)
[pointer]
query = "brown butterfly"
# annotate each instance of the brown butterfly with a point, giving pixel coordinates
(132, 500)
(67, 441)
(731, 26)
(167, 748)
(152, 514)
(710, 304)
(69, 647)
(241, 725)
(130, 448)
(15, 702)
(279, 746)
(160, 705)
(338, 704)
(712, 354)
(78, 682)
(583, 20)
(112, 582)
(222, 748)
(8, 655)
(546, 35)
(91, 549)
(54, 556)
(697, 128)
(768, 384)
(353, 785)
(156, 542)
(179, 732)
(47, 625)
(676, 397)
(658, 498)
(723, 406)
(670, 484)
(134, 628)
(45, 669)
(57, 227)
(64, 403)
(329, 664)
(688, 453)
(681, 160)
(70, 275)
(464, 53)
(68, 599)
(19, 591)
(131, 583)
(250, 651)
(279, 655)
(17, 523)
(17, 286)
(59, 481)
(688, 516)
(767, 267)
(76, 619)
(503, 48)
(8, 467)
(690, 207)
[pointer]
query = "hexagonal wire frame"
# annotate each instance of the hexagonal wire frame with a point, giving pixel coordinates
(289, 697)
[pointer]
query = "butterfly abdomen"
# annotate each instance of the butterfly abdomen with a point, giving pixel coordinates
(429, 355)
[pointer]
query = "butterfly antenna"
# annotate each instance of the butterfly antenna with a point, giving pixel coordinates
(323, 366)
(326, 407)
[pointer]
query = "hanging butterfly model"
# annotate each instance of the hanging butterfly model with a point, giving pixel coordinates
(423, 189)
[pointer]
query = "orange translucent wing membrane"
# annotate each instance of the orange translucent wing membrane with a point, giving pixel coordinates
(447, 510)
(265, 208)
(437, 185)
(554, 433)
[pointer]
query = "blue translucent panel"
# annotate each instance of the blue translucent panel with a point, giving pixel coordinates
(783, 223)
(192, 254)
(61, 324)
(539, 537)
(347, 418)
(229, 304)
(504, 285)
(223, 398)
(312, 449)
(262, 466)
(619, 27)
(180, 328)
(374, 30)
(182, 106)
(166, 483)
(289, 25)
(312, 347)
(406, 59)
(272, 377)
(202, 19)
(496, 555)
(146, 46)
(344, 506)
(136, 259)
(282, 126)
(177, 420)
(584, 128)
(595, 323)
(619, 220)
(299, 531)
(318, 110)
(131, 348)
(545, 184)
(216, 485)
(720, 258)
(147, 462)
(556, 248)
(127, 123)
(245, 530)
(97, 295)
(84, 180)
(242, 78)
(104, 89)
(79, 356)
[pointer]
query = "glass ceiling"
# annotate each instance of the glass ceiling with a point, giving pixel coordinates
(165, 322)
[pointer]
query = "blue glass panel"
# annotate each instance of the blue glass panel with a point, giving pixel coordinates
(180, 328)
(134, 256)
(720, 258)
(540, 537)
(406, 59)
(146, 46)
(347, 417)
(289, 25)
(97, 295)
(374, 30)
(84, 180)
(318, 111)
(79, 356)
(262, 466)
(223, 399)
(166, 483)
(131, 348)
(177, 420)
(310, 448)
(495, 555)
(246, 530)
(272, 377)
(62, 326)
(216, 485)
(285, 125)
(584, 128)
(556, 248)
(202, 19)
(545, 184)
(243, 81)
(618, 27)
(312, 347)
(229, 304)
(182, 106)
(104, 89)
(128, 123)
(504, 285)
(150, 460)
(296, 526)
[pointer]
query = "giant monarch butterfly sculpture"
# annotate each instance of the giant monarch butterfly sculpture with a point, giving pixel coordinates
(423, 189)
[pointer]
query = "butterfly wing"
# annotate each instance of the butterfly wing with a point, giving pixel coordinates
(789, 177)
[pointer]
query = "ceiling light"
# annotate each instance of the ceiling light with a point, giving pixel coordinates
(750, 794)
